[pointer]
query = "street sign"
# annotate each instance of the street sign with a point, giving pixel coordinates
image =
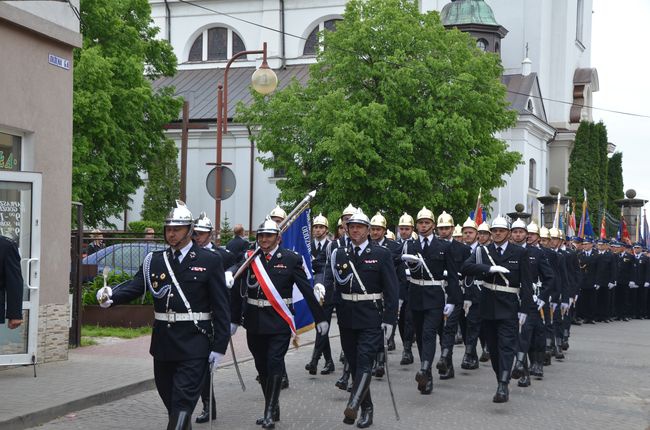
(228, 182)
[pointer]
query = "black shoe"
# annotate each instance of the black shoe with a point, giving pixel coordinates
(442, 363)
(449, 374)
(391, 344)
(626, 319)
(359, 391)
(589, 322)
(576, 322)
(311, 367)
(524, 381)
(518, 370)
(365, 420)
(328, 368)
(467, 362)
(180, 421)
(565, 344)
(502, 393)
(342, 357)
(205, 414)
(407, 357)
(342, 382)
(547, 357)
(285, 381)
(422, 376)
(272, 409)
(557, 350)
(485, 357)
(378, 370)
(428, 388)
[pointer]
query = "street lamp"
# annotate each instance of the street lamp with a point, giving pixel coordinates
(264, 81)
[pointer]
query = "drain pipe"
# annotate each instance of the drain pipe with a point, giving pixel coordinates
(168, 18)
(282, 43)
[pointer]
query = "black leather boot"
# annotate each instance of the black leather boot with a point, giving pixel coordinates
(537, 369)
(502, 395)
(205, 414)
(180, 421)
(342, 382)
(378, 370)
(285, 380)
(557, 350)
(449, 374)
(365, 420)
(518, 369)
(524, 381)
(485, 355)
(312, 366)
(442, 362)
(547, 352)
(328, 368)
(272, 409)
(359, 391)
(470, 360)
(565, 340)
(391, 341)
(342, 357)
(407, 354)
(423, 375)
(265, 391)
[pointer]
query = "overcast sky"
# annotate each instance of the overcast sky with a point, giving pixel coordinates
(621, 55)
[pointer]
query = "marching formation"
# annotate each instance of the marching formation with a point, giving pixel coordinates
(514, 288)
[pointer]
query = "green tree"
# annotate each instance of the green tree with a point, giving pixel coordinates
(118, 118)
(163, 185)
(584, 172)
(600, 145)
(398, 113)
(615, 183)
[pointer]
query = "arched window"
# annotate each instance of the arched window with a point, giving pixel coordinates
(532, 173)
(215, 44)
(482, 44)
(311, 44)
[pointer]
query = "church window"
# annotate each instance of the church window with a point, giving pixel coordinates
(532, 172)
(482, 44)
(529, 106)
(311, 44)
(216, 44)
(580, 20)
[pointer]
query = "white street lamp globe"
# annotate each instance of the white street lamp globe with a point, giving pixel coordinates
(264, 80)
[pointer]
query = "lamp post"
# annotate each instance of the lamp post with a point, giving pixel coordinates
(264, 81)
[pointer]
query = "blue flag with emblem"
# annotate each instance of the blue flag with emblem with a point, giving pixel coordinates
(298, 238)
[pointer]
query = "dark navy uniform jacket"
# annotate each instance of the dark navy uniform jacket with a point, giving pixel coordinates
(573, 271)
(540, 272)
(496, 305)
(439, 258)
(588, 269)
(284, 268)
(11, 281)
(641, 270)
(605, 268)
(318, 259)
(625, 270)
(201, 277)
(377, 272)
(459, 253)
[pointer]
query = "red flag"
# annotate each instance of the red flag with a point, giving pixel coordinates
(478, 213)
(603, 229)
(625, 234)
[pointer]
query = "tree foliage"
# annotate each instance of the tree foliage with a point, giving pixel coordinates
(163, 184)
(398, 113)
(615, 182)
(118, 118)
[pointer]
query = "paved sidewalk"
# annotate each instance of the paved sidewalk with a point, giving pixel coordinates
(92, 375)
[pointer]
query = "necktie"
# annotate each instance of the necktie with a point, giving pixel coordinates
(357, 250)
(267, 257)
(499, 250)
(177, 256)
(318, 247)
(425, 244)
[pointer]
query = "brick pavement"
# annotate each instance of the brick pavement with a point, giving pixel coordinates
(603, 384)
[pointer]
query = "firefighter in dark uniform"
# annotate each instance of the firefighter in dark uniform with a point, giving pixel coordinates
(471, 322)
(11, 284)
(319, 245)
(624, 278)
(432, 297)
(378, 232)
(267, 312)
(588, 261)
(404, 322)
(459, 253)
(533, 334)
(562, 292)
(641, 268)
(192, 314)
(506, 295)
(484, 238)
(203, 231)
(366, 285)
(571, 249)
(605, 278)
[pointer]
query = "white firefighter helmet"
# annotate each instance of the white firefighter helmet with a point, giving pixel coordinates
(350, 210)
(359, 218)
(179, 216)
(406, 220)
(499, 222)
(268, 226)
(390, 235)
(378, 221)
(426, 214)
(470, 223)
(278, 212)
(484, 227)
(458, 231)
(321, 220)
(555, 233)
(544, 233)
(203, 223)
(519, 223)
(445, 220)
(533, 228)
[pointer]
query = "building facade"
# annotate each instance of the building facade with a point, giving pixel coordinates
(36, 43)
(545, 51)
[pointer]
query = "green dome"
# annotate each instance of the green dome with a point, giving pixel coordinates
(460, 12)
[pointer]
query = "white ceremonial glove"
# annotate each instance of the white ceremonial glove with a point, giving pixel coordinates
(233, 329)
(322, 328)
(215, 358)
(409, 258)
(104, 295)
(535, 298)
(596, 286)
(646, 285)
(449, 308)
(230, 280)
(388, 330)
(319, 292)
(540, 304)
(564, 307)
(631, 284)
(522, 318)
(611, 285)
(444, 273)
(498, 269)
(400, 302)
(553, 306)
(576, 299)
(466, 305)
(571, 301)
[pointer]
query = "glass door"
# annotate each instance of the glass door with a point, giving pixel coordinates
(20, 221)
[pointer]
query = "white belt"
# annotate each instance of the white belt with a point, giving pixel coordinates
(176, 316)
(261, 303)
(479, 283)
(425, 282)
(502, 288)
(361, 297)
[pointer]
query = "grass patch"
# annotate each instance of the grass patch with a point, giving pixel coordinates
(87, 341)
(121, 332)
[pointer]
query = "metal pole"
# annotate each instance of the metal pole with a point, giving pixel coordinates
(184, 138)
(75, 338)
(217, 190)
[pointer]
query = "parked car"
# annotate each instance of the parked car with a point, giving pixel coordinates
(125, 257)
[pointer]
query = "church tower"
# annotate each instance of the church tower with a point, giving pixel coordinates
(476, 18)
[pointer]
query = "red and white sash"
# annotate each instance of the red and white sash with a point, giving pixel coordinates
(272, 293)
